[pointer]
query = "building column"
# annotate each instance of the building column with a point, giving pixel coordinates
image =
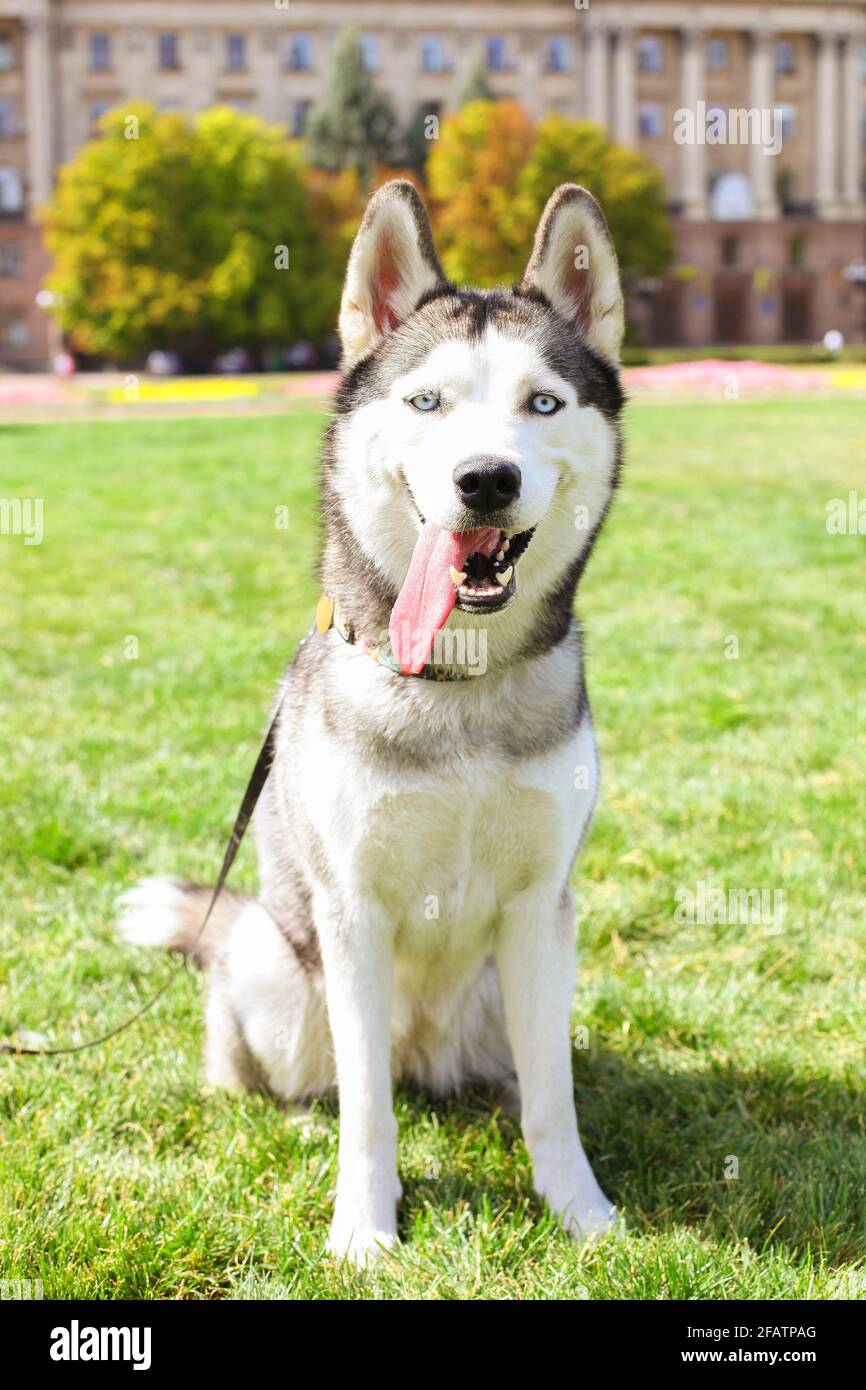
(135, 50)
(40, 111)
(763, 167)
(596, 63)
(203, 64)
(693, 189)
(826, 107)
(624, 89)
(852, 129)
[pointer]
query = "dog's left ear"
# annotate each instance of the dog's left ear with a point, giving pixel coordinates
(392, 264)
(574, 264)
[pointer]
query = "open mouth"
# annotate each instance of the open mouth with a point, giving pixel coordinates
(488, 581)
(473, 571)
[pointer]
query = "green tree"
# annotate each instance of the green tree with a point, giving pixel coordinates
(490, 175)
(417, 142)
(195, 235)
(354, 127)
(477, 87)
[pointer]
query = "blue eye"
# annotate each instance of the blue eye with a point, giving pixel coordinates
(425, 400)
(544, 404)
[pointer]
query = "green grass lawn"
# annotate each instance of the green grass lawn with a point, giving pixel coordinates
(122, 1177)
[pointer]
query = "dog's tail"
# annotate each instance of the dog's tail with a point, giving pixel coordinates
(166, 912)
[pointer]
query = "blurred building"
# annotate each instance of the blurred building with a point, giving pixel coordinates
(764, 240)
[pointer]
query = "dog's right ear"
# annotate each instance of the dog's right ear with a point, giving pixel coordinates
(392, 264)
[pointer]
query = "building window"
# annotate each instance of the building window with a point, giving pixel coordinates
(169, 51)
(730, 251)
(650, 121)
(96, 111)
(717, 55)
(11, 199)
(8, 118)
(13, 329)
(300, 112)
(787, 117)
(7, 52)
(370, 52)
(557, 58)
(649, 54)
(100, 52)
(300, 57)
(236, 52)
(797, 252)
(784, 58)
(10, 259)
(433, 53)
(496, 54)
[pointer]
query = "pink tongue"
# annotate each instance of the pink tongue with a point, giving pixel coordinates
(429, 593)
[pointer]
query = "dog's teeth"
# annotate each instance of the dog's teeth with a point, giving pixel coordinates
(456, 576)
(505, 575)
(500, 554)
(506, 543)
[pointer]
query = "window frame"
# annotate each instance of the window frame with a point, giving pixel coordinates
(782, 68)
(434, 43)
(646, 44)
(371, 55)
(170, 38)
(236, 46)
(657, 109)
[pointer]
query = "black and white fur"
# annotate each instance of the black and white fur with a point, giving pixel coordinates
(416, 838)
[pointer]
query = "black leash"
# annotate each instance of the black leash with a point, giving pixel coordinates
(254, 788)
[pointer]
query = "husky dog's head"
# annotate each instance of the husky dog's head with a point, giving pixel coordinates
(476, 444)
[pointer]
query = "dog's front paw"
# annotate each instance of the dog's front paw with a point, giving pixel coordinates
(361, 1245)
(589, 1223)
(575, 1197)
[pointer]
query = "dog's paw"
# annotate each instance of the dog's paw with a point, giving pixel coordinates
(592, 1223)
(573, 1195)
(362, 1246)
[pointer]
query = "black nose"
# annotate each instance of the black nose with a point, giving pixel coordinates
(487, 484)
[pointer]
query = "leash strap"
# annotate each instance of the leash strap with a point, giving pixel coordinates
(254, 789)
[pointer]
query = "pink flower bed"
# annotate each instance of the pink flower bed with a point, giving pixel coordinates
(713, 374)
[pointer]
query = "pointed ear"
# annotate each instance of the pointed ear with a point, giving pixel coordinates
(392, 263)
(574, 264)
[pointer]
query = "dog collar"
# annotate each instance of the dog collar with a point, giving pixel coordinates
(329, 614)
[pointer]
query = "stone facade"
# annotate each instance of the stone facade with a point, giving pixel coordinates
(762, 239)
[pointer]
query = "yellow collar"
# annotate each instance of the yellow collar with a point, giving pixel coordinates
(329, 614)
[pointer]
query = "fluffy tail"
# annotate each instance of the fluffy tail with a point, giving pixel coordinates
(166, 912)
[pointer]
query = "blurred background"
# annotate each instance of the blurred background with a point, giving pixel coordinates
(179, 180)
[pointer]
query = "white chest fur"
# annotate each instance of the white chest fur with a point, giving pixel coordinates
(444, 847)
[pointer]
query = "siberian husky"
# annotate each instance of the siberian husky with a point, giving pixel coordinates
(435, 763)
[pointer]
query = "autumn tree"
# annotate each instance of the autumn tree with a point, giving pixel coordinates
(491, 173)
(629, 188)
(472, 174)
(195, 235)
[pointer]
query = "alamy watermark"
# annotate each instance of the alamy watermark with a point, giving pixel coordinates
(22, 516)
(846, 516)
(21, 1290)
(739, 125)
(705, 905)
(464, 648)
